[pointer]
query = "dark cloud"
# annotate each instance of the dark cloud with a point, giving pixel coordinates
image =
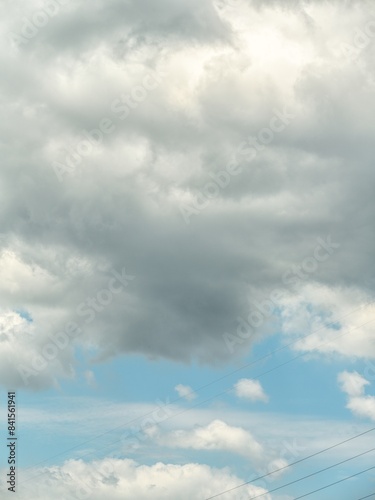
(221, 85)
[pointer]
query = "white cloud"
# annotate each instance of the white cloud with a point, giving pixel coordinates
(25, 352)
(363, 407)
(184, 391)
(250, 389)
(217, 435)
(329, 320)
(118, 479)
(282, 437)
(353, 384)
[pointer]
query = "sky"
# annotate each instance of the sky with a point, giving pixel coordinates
(186, 248)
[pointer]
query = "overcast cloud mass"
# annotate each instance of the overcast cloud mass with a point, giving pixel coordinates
(224, 73)
(183, 180)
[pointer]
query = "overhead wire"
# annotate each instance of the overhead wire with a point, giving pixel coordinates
(206, 400)
(336, 482)
(291, 464)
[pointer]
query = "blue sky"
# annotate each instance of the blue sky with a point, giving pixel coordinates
(186, 248)
(304, 402)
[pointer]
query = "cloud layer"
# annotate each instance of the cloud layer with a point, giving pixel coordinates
(254, 119)
(118, 479)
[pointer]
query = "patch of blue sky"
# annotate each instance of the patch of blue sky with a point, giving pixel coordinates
(301, 387)
(24, 314)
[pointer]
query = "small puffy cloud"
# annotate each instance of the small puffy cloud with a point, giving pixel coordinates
(118, 479)
(353, 384)
(329, 320)
(363, 407)
(250, 389)
(185, 391)
(216, 436)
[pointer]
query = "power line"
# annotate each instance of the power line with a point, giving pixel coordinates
(333, 484)
(197, 404)
(194, 406)
(368, 496)
(291, 464)
(247, 365)
(312, 474)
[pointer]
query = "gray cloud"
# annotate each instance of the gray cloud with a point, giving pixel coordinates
(223, 79)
